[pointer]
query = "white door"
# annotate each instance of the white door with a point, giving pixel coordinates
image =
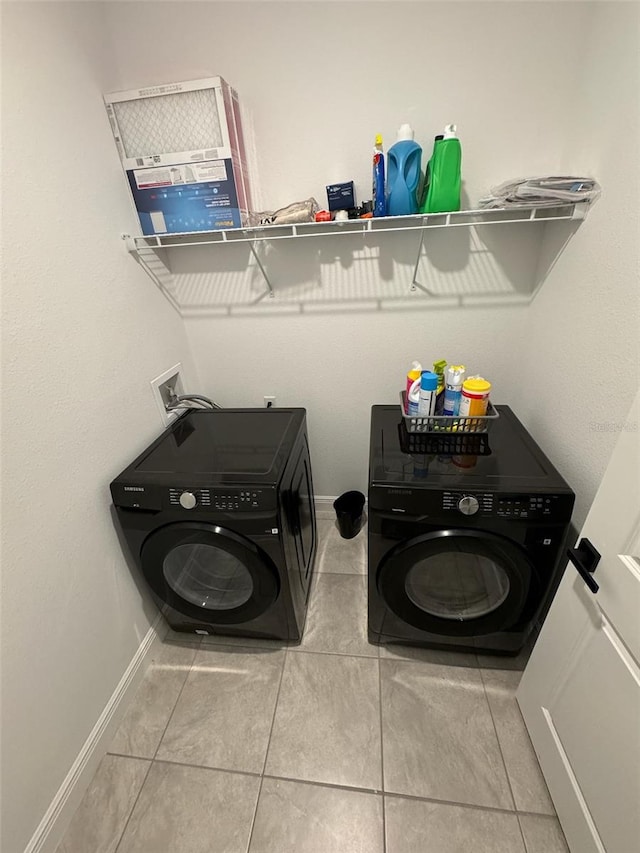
(580, 692)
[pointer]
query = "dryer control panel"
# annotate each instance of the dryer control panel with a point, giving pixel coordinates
(226, 499)
(468, 503)
(192, 498)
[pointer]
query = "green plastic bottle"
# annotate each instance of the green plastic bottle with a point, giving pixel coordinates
(441, 192)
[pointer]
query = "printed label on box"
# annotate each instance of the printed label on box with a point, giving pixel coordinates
(188, 173)
(186, 197)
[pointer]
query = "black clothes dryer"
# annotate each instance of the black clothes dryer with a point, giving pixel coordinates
(466, 535)
(219, 514)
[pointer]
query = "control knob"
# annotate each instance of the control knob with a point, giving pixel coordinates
(188, 500)
(468, 505)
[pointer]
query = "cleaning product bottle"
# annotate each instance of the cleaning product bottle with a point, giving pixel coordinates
(442, 182)
(428, 393)
(475, 396)
(403, 174)
(438, 369)
(379, 200)
(412, 376)
(453, 379)
(413, 398)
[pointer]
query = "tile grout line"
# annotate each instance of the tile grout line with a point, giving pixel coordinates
(152, 760)
(314, 782)
(335, 786)
(266, 752)
(518, 813)
(384, 806)
(207, 643)
(175, 705)
(206, 767)
(494, 809)
(524, 840)
(320, 572)
(504, 763)
(135, 802)
(472, 667)
(295, 650)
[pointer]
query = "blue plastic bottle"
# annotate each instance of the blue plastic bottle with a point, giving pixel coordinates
(403, 174)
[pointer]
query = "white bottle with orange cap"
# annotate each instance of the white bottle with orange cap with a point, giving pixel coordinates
(475, 397)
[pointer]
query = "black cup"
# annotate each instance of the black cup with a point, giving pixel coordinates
(348, 509)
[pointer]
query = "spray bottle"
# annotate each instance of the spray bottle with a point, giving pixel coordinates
(379, 200)
(454, 377)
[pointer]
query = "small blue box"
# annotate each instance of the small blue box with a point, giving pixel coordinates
(341, 196)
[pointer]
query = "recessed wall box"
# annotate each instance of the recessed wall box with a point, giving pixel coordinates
(182, 149)
(341, 196)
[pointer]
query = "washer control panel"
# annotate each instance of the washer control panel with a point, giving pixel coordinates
(527, 506)
(227, 499)
(516, 506)
(468, 504)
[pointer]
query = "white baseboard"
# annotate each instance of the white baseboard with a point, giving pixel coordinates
(57, 817)
(324, 503)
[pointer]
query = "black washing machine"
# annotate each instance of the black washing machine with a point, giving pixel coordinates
(466, 535)
(219, 514)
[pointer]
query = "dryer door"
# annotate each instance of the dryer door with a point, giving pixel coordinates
(209, 573)
(457, 583)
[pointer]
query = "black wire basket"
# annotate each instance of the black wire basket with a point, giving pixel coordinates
(447, 424)
(444, 444)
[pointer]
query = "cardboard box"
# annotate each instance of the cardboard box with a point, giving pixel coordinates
(341, 196)
(182, 149)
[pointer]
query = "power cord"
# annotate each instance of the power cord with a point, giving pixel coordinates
(188, 401)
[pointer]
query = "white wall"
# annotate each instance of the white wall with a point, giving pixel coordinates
(318, 81)
(84, 330)
(582, 350)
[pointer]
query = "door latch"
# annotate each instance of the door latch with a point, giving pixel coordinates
(585, 558)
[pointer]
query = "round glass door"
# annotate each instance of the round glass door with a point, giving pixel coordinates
(209, 573)
(208, 576)
(457, 585)
(456, 582)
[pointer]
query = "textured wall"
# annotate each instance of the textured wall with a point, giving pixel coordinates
(582, 348)
(84, 330)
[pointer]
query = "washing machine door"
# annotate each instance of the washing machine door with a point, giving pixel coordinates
(209, 573)
(457, 583)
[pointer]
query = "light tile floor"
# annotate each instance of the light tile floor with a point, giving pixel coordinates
(332, 746)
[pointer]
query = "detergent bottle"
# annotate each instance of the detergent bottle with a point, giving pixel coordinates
(403, 174)
(443, 177)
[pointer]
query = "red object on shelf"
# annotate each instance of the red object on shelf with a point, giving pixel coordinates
(323, 216)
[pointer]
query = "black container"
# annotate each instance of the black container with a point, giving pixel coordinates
(348, 509)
